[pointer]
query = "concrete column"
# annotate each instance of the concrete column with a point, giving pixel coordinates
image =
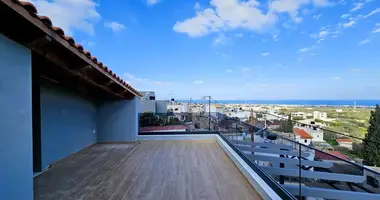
(118, 121)
(16, 153)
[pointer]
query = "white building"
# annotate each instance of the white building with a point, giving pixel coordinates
(316, 133)
(148, 95)
(319, 115)
(304, 137)
(178, 107)
(344, 143)
(299, 114)
(153, 106)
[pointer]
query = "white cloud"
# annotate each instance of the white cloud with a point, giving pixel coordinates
(152, 2)
(349, 24)
(275, 38)
(229, 71)
(316, 17)
(143, 82)
(115, 26)
(265, 54)
(306, 49)
(292, 7)
(245, 69)
(226, 15)
(376, 30)
(345, 16)
(220, 39)
(336, 78)
(377, 24)
(364, 42)
(198, 82)
(355, 70)
(223, 55)
(70, 15)
(87, 43)
(342, 2)
(264, 85)
(197, 6)
(238, 35)
(323, 33)
(161, 83)
(357, 6)
(372, 13)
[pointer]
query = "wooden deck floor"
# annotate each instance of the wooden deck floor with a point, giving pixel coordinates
(167, 170)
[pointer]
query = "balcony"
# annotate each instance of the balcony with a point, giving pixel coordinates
(291, 167)
(155, 169)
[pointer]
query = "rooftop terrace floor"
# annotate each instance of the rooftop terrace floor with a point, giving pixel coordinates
(146, 170)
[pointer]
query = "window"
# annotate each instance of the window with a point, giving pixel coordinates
(372, 182)
(305, 141)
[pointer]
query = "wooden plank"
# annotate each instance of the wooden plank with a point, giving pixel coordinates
(330, 193)
(261, 144)
(290, 161)
(162, 170)
(272, 151)
(314, 174)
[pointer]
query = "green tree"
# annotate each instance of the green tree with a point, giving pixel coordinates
(149, 119)
(287, 126)
(371, 144)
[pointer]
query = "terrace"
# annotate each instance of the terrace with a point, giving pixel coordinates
(197, 169)
(69, 130)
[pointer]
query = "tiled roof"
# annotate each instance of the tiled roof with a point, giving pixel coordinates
(46, 20)
(343, 140)
(326, 156)
(163, 128)
(302, 133)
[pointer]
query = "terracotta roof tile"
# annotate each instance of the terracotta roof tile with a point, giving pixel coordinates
(88, 54)
(28, 6)
(302, 133)
(69, 39)
(79, 47)
(325, 155)
(46, 20)
(344, 140)
(58, 30)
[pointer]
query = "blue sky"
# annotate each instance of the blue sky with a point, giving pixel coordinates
(232, 49)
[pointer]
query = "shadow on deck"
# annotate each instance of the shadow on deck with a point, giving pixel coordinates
(146, 170)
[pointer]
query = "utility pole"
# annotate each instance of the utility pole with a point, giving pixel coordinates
(252, 127)
(209, 111)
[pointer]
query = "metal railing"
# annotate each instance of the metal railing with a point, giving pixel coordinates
(301, 167)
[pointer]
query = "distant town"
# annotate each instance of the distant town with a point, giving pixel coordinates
(316, 125)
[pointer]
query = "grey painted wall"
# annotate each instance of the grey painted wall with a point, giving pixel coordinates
(68, 123)
(162, 106)
(16, 164)
(118, 121)
(147, 106)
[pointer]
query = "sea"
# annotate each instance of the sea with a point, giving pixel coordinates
(364, 103)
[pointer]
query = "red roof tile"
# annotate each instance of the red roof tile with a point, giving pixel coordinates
(346, 140)
(34, 12)
(302, 133)
(163, 128)
(325, 156)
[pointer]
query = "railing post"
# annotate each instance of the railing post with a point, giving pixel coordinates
(299, 172)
